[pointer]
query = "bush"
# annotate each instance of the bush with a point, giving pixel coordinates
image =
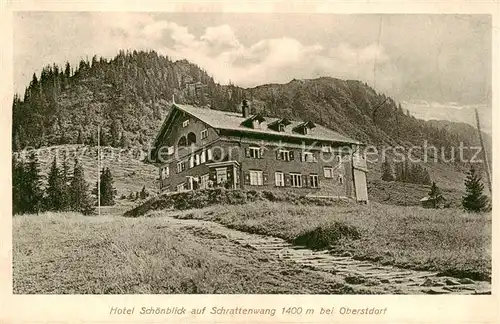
(327, 235)
(207, 197)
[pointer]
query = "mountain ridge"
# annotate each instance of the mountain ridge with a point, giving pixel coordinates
(129, 96)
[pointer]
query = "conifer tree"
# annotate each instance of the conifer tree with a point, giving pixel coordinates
(387, 174)
(66, 184)
(434, 194)
(124, 141)
(33, 193)
(79, 140)
(18, 186)
(103, 138)
(80, 199)
(426, 178)
(143, 194)
(474, 200)
(55, 189)
(107, 190)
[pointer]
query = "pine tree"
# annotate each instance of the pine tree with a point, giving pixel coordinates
(55, 189)
(103, 138)
(66, 184)
(434, 194)
(124, 141)
(33, 193)
(474, 200)
(107, 190)
(387, 174)
(80, 199)
(143, 194)
(18, 186)
(79, 140)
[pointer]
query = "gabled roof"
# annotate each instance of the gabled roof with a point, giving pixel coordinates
(224, 120)
(257, 117)
(308, 124)
(283, 121)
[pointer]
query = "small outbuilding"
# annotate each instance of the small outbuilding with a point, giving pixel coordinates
(433, 202)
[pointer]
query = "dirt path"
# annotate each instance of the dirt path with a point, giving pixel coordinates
(362, 274)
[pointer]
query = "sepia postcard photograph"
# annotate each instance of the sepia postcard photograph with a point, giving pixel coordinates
(247, 153)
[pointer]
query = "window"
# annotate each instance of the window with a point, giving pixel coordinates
(203, 157)
(204, 134)
(328, 172)
(313, 180)
(181, 187)
(181, 166)
(341, 179)
(256, 178)
(221, 175)
(281, 128)
(296, 180)
(165, 172)
(279, 179)
(284, 155)
(182, 141)
(209, 155)
(256, 124)
(197, 159)
(326, 148)
(308, 157)
(254, 152)
(191, 161)
(185, 123)
(191, 138)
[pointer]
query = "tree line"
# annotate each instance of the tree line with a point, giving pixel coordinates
(405, 172)
(63, 191)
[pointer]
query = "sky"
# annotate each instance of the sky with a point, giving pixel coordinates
(437, 66)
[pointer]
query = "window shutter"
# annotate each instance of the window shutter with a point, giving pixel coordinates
(291, 156)
(288, 180)
(183, 165)
(209, 155)
(265, 178)
(303, 157)
(247, 152)
(247, 178)
(261, 155)
(191, 161)
(278, 155)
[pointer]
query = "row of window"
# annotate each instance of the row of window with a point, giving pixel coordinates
(203, 182)
(193, 161)
(256, 179)
(283, 155)
(191, 138)
(255, 175)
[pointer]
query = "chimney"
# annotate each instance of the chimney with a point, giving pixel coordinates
(245, 109)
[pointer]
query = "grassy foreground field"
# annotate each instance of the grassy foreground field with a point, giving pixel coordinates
(69, 253)
(447, 240)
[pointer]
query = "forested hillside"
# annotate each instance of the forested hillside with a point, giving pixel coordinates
(130, 94)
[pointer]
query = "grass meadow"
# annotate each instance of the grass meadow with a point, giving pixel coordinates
(449, 241)
(68, 253)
